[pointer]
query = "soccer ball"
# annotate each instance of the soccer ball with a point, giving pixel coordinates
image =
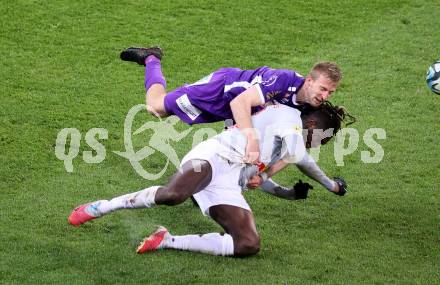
(433, 77)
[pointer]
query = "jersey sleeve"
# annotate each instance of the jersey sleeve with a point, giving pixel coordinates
(274, 84)
(290, 132)
(309, 167)
(293, 149)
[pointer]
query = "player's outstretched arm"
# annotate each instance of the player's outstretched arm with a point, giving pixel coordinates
(309, 167)
(255, 179)
(299, 191)
(241, 110)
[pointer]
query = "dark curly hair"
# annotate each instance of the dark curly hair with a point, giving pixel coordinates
(325, 117)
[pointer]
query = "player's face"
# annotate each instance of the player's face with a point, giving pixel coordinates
(318, 90)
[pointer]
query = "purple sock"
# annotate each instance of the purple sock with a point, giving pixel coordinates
(153, 72)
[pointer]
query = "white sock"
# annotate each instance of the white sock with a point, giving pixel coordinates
(140, 199)
(212, 243)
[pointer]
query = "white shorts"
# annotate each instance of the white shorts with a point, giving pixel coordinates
(224, 188)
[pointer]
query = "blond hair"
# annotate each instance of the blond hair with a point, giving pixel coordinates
(328, 69)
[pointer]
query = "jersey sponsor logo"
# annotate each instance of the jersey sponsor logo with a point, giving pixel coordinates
(272, 94)
(186, 107)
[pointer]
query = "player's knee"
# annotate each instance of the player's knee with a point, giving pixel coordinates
(247, 246)
(172, 197)
(156, 110)
(156, 104)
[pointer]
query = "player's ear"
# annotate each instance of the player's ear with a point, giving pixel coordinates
(308, 79)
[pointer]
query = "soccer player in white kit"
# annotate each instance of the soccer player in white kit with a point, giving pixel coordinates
(214, 174)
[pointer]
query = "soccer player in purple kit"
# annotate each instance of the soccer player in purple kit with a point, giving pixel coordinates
(232, 93)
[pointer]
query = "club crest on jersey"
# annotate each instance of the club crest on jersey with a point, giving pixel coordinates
(297, 129)
(271, 81)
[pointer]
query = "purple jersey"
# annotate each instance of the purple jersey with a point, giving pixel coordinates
(208, 99)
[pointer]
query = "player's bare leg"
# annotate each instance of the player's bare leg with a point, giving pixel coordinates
(241, 238)
(155, 84)
(154, 100)
(240, 224)
(193, 176)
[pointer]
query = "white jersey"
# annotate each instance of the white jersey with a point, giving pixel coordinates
(280, 132)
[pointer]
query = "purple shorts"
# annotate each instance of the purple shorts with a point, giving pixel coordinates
(201, 102)
(208, 100)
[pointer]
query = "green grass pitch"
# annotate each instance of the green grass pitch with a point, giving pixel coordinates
(60, 68)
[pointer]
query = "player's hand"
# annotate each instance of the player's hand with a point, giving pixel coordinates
(341, 185)
(299, 191)
(254, 182)
(252, 154)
